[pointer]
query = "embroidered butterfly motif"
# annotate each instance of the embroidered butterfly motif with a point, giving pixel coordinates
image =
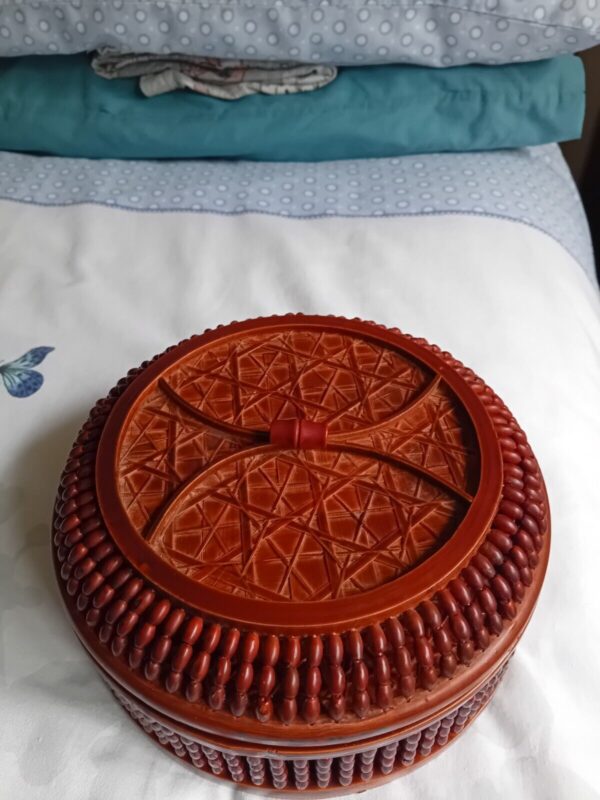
(18, 376)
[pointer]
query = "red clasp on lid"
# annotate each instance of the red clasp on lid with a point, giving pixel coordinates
(298, 434)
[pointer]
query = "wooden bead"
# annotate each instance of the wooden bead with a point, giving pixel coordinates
(414, 623)
(103, 595)
(230, 643)
(501, 589)
(505, 524)
(474, 616)
(267, 679)
(94, 538)
(461, 591)
(443, 640)
(473, 577)
(510, 509)
(313, 681)
(84, 568)
(355, 645)
(182, 657)
(115, 610)
(111, 564)
(74, 536)
(491, 552)
(510, 572)
(519, 557)
(335, 648)
(460, 627)
(142, 601)
(158, 612)
(529, 525)
(395, 632)
(337, 679)
(315, 650)
(484, 566)
(430, 614)
(515, 496)
(526, 576)
(271, 650)
(448, 602)
(377, 638)
(92, 582)
(448, 664)
(500, 540)
(424, 653)
(76, 553)
(311, 709)
(192, 630)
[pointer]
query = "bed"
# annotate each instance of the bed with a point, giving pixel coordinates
(109, 262)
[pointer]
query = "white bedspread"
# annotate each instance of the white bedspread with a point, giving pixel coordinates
(108, 288)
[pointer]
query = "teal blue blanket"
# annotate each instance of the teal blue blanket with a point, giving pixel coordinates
(58, 105)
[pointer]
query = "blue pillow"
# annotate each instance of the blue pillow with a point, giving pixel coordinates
(351, 32)
(60, 106)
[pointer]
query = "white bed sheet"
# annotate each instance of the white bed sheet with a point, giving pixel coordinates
(109, 288)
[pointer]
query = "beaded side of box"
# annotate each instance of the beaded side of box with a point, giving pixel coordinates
(322, 773)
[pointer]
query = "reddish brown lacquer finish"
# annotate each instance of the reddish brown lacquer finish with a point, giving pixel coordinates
(301, 549)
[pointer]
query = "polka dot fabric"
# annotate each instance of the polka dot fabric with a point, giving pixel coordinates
(532, 186)
(438, 33)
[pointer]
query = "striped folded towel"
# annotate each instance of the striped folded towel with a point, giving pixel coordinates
(224, 79)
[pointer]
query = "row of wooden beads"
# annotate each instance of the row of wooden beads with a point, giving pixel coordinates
(515, 538)
(123, 614)
(80, 539)
(361, 767)
(77, 519)
(439, 635)
(520, 467)
(145, 633)
(159, 611)
(470, 607)
(400, 753)
(75, 502)
(115, 593)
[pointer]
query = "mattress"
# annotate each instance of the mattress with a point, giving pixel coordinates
(108, 263)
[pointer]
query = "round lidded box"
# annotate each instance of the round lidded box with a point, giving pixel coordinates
(301, 550)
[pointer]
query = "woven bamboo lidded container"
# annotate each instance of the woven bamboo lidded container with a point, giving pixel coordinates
(301, 550)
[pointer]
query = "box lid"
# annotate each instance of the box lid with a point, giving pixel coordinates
(301, 527)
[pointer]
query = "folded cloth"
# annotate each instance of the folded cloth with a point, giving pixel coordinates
(223, 79)
(59, 105)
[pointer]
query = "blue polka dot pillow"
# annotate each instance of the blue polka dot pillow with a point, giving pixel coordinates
(430, 32)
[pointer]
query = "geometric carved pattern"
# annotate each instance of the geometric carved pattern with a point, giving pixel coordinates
(343, 380)
(304, 525)
(161, 448)
(398, 476)
(436, 434)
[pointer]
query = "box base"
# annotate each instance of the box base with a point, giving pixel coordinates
(338, 774)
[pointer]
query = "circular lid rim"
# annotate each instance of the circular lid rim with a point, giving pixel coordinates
(287, 617)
